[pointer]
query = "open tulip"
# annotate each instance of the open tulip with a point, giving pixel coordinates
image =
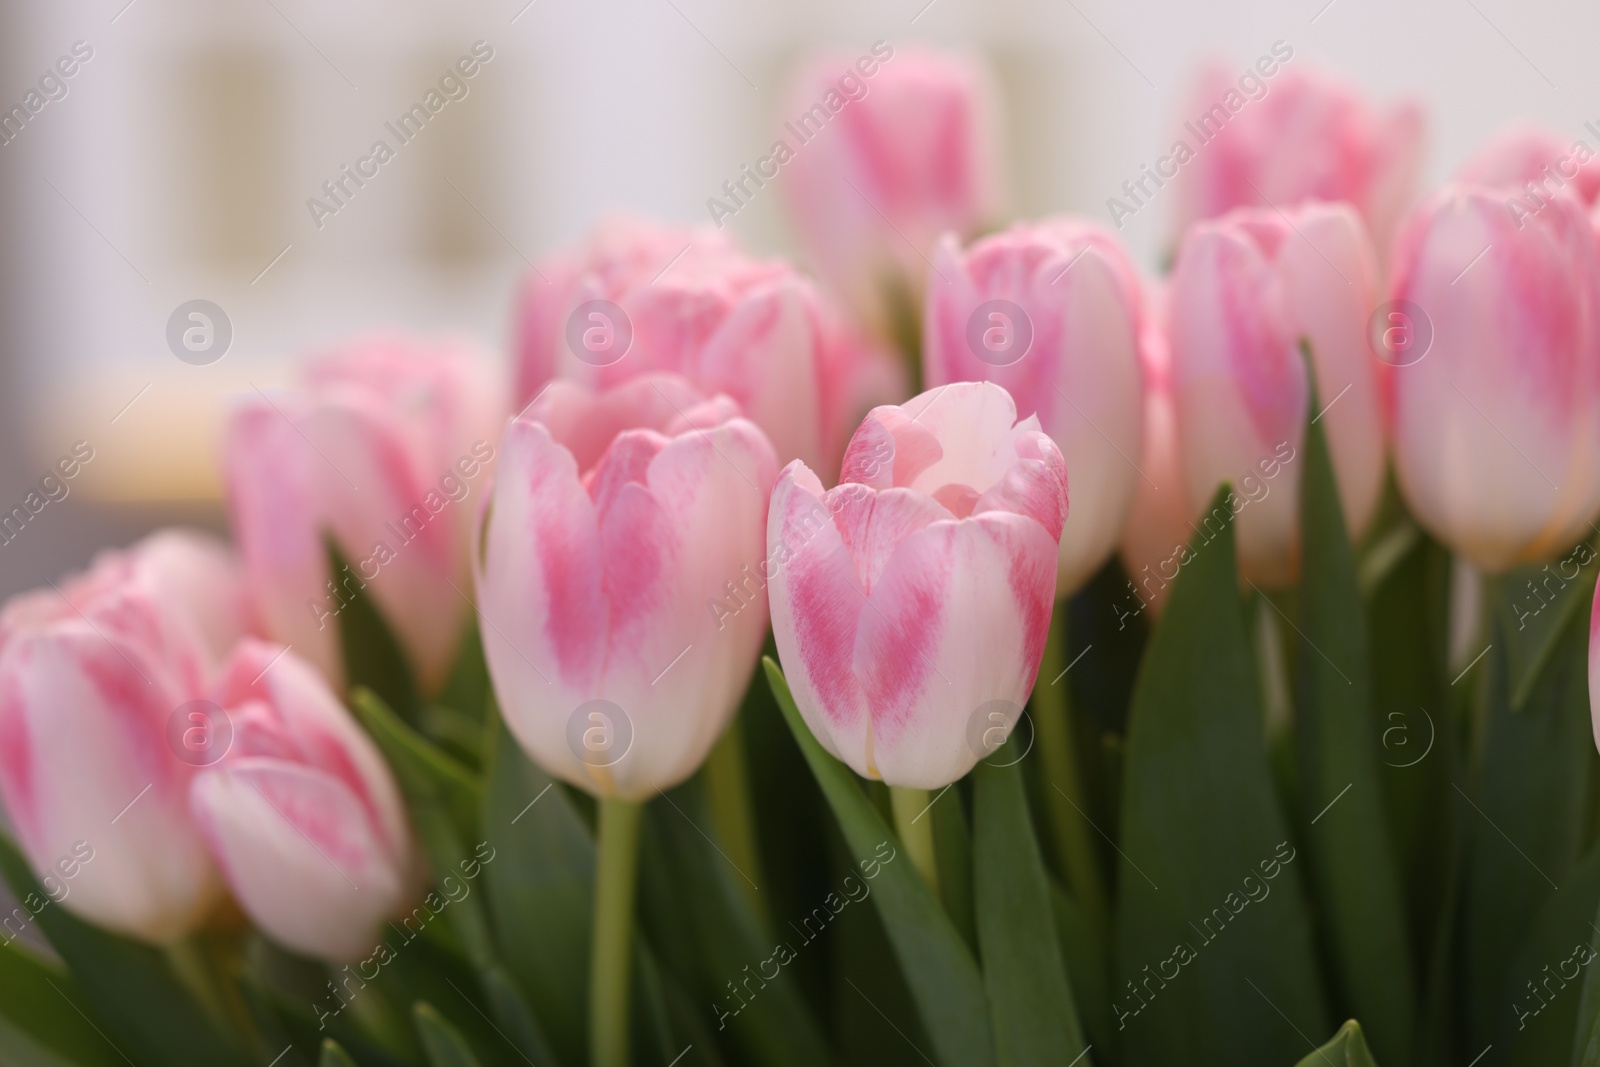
(379, 450)
(1496, 424)
(92, 678)
(913, 598)
(638, 298)
(621, 579)
(1052, 312)
(880, 173)
(302, 814)
(1246, 290)
(1295, 134)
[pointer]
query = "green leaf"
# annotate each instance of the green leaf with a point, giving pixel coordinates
(941, 973)
(952, 852)
(1347, 1049)
(1586, 1034)
(1212, 945)
(522, 1030)
(1084, 951)
(333, 1055)
(540, 890)
(1354, 882)
(1525, 820)
(44, 1014)
(1030, 1000)
(372, 655)
(690, 887)
(1545, 997)
(442, 1042)
(426, 774)
(128, 987)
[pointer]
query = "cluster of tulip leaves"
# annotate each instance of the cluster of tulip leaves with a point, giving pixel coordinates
(1433, 841)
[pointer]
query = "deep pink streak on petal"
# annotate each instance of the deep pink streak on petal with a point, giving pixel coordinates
(826, 602)
(1032, 578)
(873, 523)
(574, 623)
(908, 626)
(16, 754)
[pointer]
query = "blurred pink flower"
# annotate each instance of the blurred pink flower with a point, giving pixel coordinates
(302, 814)
(379, 449)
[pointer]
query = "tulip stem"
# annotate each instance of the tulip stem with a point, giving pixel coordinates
(1065, 800)
(915, 827)
(611, 951)
(732, 813)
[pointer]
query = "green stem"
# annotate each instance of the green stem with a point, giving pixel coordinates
(1065, 801)
(915, 827)
(616, 878)
(732, 813)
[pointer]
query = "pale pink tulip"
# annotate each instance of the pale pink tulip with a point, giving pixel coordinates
(1497, 425)
(302, 814)
(1052, 312)
(1247, 288)
(94, 681)
(912, 601)
(881, 170)
(638, 298)
(1534, 165)
(1292, 135)
(621, 581)
(1159, 525)
(380, 449)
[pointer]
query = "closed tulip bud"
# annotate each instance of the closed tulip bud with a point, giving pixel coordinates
(1155, 537)
(1052, 313)
(910, 603)
(302, 813)
(1533, 166)
(379, 449)
(1496, 423)
(890, 151)
(622, 581)
(94, 682)
(644, 299)
(1246, 290)
(1291, 135)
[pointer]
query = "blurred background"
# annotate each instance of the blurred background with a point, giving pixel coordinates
(178, 164)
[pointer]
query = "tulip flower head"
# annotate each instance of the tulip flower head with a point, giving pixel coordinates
(1052, 312)
(621, 579)
(1497, 424)
(913, 599)
(638, 299)
(892, 169)
(380, 450)
(94, 680)
(302, 813)
(1534, 165)
(1246, 290)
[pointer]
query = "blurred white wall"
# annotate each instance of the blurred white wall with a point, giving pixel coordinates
(179, 164)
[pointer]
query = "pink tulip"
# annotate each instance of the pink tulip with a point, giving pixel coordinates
(1158, 527)
(1052, 312)
(380, 449)
(1302, 135)
(1534, 165)
(1497, 425)
(1247, 288)
(94, 682)
(908, 155)
(639, 298)
(1594, 666)
(302, 814)
(621, 581)
(912, 600)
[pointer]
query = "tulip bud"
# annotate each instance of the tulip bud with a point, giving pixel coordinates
(95, 680)
(1496, 405)
(1155, 537)
(380, 449)
(302, 814)
(1246, 290)
(644, 299)
(1534, 165)
(1052, 312)
(1295, 135)
(878, 174)
(910, 603)
(622, 580)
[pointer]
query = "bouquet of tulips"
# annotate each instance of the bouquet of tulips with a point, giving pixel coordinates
(985, 656)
